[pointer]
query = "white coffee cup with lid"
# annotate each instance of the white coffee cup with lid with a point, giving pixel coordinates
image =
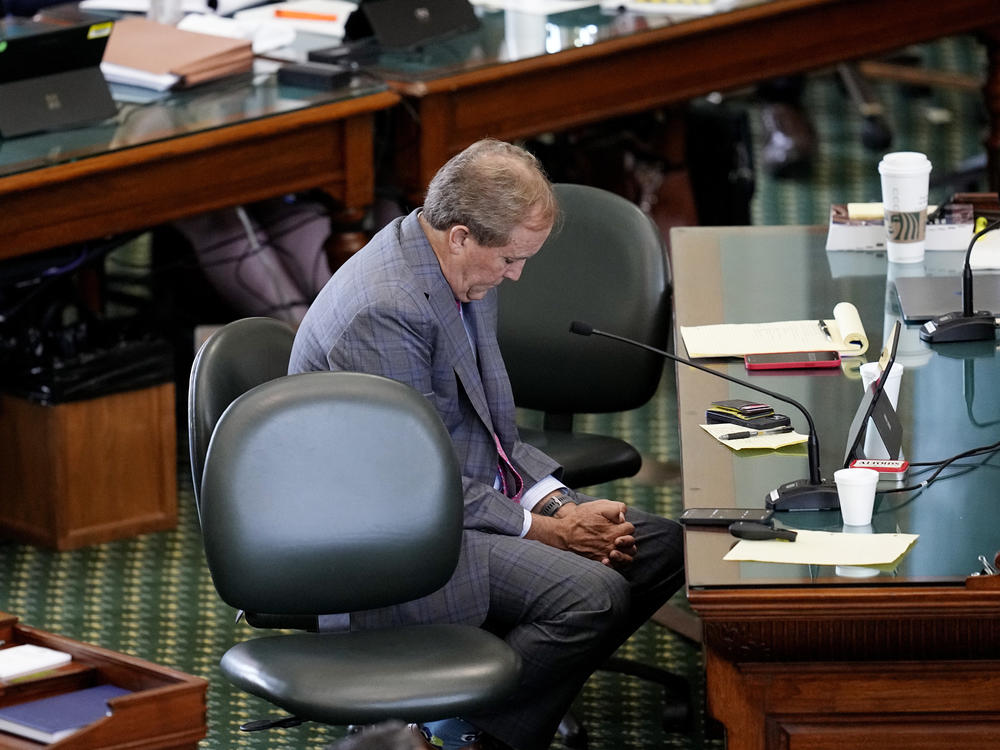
(905, 184)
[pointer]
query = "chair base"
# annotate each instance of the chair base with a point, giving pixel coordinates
(675, 715)
(282, 722)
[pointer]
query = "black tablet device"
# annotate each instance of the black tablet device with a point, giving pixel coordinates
(50, 76)
(875, 405)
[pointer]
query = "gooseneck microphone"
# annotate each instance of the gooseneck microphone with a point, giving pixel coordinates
(964, 325)
(802, 494)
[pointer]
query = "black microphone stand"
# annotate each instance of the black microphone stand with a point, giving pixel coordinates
(802, 494)
(964, 325)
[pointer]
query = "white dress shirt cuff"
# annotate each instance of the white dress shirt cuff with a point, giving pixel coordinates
(532, 497)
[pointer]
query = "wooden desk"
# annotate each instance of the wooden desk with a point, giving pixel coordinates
(218, 145)
(815, 656)
(237, 140)
(502, 82)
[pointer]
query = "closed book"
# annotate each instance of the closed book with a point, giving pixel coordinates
(51, 719)
(26, 659)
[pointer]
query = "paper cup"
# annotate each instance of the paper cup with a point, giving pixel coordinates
(856, 490)
(905, 178)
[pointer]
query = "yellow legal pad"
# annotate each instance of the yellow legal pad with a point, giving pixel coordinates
(825, 548)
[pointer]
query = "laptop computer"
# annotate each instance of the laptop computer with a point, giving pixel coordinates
(924, 297)
(387, 25)
(404, 24)
(50, 75)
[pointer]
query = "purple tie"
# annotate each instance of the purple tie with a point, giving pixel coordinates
(503, 467)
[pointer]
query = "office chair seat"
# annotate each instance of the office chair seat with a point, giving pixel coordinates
(421, 673)
(587, 459)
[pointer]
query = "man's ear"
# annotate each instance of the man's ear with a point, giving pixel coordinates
(457, 235)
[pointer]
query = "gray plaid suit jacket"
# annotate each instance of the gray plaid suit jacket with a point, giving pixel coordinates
(389, 311)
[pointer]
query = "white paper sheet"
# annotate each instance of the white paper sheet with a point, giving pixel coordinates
(825, 548)
(771, 442)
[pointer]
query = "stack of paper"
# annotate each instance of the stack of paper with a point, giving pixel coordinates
(26, 659)
(157, 56)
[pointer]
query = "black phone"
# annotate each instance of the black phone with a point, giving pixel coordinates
(724, 516)
(766, 422)
(750, 414)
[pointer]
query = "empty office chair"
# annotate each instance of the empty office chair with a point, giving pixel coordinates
(606, 265)
(234, 359)
(309, 506)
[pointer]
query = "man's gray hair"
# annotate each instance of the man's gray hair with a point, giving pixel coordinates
(491, 187)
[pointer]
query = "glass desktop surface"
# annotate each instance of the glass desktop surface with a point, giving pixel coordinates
(949, 402)
(506, 36)
(145, 117)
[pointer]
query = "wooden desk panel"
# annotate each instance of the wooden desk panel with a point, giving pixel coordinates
(650, 69)
(165, 711)
(327, 147)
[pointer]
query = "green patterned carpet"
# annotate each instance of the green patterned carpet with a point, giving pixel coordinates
(152, 596)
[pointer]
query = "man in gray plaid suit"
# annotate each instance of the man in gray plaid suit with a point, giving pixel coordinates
(564, 578)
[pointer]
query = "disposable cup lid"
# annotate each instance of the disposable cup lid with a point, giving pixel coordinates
(904, 162)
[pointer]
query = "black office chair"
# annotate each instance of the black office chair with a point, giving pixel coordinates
(605, 265)
(309, 505)
(234, 359)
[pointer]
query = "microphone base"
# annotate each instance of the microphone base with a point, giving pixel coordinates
(803, 495)
(954, 326)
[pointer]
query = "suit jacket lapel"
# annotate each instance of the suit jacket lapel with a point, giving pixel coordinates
(427, 271)
(493, 373)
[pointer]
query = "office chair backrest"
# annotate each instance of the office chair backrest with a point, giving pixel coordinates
(234, 359)
(606, 265)
(330, 492)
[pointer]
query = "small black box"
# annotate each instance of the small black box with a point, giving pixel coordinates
(314, 75)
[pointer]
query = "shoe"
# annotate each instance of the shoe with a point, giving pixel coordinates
(419, 740)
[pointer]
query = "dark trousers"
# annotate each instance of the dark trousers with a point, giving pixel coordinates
(565, 615)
